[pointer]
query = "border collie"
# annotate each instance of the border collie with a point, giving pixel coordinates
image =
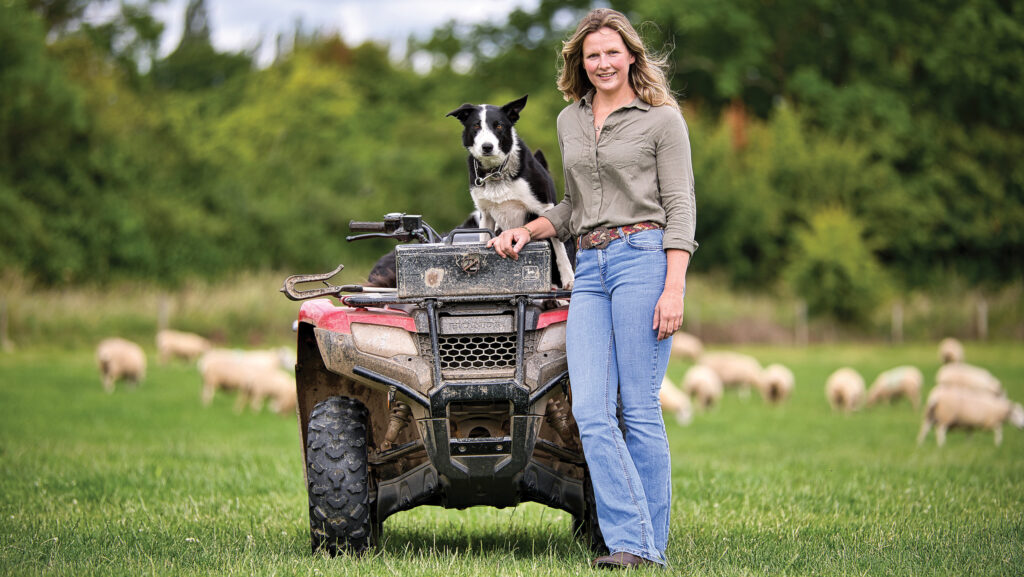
(509, 184)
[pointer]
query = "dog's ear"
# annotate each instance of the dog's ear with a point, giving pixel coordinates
(462, 112)
(512, 109)
(537, 154)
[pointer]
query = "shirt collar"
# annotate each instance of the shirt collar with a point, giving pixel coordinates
(588, 101)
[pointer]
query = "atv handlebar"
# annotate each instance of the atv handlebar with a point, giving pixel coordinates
(396, 225)
(360, 226)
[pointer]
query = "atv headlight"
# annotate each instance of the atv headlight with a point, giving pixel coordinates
(552, 338)
(382, 341)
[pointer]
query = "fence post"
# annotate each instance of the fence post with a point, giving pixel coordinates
(5, 340)
(982, 318)
(163, 312)
(897, 322)
(801, 323)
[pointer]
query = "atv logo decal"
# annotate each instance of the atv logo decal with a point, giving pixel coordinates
(469, 263)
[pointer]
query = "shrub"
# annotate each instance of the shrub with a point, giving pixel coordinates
(834, 270)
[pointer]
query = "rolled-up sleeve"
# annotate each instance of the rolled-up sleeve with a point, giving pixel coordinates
(560, 214)
(675, 182)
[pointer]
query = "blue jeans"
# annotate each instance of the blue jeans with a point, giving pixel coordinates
(613, 352)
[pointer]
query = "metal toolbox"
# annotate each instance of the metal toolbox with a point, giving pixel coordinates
(470, 268)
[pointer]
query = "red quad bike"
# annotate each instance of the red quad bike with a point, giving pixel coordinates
(450, 390)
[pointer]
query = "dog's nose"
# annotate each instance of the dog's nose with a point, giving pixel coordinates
(487, 148)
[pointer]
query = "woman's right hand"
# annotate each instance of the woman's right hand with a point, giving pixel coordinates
(510, 242)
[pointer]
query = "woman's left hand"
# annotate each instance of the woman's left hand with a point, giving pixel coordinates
(668, 313)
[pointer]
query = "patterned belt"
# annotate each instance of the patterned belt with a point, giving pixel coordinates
(601, 236)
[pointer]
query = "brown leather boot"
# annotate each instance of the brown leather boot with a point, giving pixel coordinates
(620, 560)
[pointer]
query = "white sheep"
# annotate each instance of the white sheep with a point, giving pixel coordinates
(675, 401)
(686, 346)
(776, 383)
(736, 370)
(952, 407)
(120, 359)
(951, 351)
(845, 389)
(229, 369)
(260, 384)
(904, 381)
(282, 357)
(968, 376)
(703, 385)
(180, 345)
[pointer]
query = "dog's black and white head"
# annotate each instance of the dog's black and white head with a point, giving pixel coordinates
(489, 131)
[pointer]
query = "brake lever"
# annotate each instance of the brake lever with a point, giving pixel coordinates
(404, 237)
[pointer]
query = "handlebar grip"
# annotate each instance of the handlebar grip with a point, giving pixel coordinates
(359, 226)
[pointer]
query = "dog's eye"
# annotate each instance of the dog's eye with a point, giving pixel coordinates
(476, 126)
(499, 127)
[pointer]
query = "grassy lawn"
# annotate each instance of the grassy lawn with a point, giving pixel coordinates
(147, 481)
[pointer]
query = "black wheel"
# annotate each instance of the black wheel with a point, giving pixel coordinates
(340, 518)
(586, 526)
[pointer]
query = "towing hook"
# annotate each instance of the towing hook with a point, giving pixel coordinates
(297, 295)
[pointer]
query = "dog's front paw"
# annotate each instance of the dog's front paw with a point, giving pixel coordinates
(568, 285)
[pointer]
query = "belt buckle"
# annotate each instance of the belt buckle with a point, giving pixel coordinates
(604, 237)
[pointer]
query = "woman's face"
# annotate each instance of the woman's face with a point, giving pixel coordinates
(607, 60)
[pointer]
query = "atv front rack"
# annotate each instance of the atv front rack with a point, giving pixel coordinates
(380, 299)
(363, 296)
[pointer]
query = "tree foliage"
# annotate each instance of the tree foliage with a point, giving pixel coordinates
(834, 270)
(899, 126)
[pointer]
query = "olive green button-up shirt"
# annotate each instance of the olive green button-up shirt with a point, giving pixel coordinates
(640, 170)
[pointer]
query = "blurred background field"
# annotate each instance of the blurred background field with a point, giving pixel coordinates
(148, 481)
(246, 310)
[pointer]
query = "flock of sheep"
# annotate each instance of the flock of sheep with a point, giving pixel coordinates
(965, 396)
(256, 376)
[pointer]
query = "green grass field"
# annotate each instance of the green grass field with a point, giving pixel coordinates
(147, 481)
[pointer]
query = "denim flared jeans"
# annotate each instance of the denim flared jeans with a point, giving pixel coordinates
(614, 353)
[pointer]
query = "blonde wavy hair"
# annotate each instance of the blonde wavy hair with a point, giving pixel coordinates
(647, 76)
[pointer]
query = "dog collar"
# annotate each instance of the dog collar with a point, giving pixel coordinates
(498, 174)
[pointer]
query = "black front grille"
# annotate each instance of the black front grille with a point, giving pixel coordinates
(477, 352)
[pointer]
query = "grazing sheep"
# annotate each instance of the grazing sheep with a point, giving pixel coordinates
(179, 345)
(776, 383)
(260, 384)
(968, 376)
(703, 385)
(282, 357)
(952, 407)
(285, 396)
(118, 360)
(736, 370)
(905, 381)
(845, 390)
(951, 351)
(675, 401)
(686, 346)
(229, 370)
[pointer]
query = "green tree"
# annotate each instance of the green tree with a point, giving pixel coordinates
(834, 270)
(131, 38)
(42, 124)
(60, 15)
(195, 64)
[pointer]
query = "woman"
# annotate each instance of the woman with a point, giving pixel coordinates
(629, 202)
